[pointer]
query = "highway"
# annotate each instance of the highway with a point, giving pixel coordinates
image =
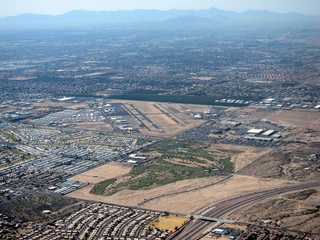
(228, 207)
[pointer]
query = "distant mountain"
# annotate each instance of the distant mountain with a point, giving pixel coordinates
(206, 17)
(194, 22)
(267, 16)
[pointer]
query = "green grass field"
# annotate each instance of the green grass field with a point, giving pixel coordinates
(99, 188)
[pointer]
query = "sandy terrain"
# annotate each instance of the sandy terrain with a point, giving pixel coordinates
(95, 126)
(313, 200)
(107, 171)
(246, 114)
(192, 201)
(132, 198)
(69, 105)
(169, 222)
(300, 119)
(78, 106)
(186, 202)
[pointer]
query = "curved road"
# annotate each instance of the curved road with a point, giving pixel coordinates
(230, 206)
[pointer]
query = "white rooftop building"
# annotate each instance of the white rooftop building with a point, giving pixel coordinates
(255, 131)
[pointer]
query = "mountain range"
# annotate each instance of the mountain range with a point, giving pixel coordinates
(205, 17)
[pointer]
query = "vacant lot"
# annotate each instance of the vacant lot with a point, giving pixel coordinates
(45, 104)
(299, 119)
(170, 222)
(94, 126)
(107, 171)
(192, 201)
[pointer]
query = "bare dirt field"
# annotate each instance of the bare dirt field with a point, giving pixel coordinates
(77, 106)
(192, 201)
(132, 198)
(246, 114)
(107, 171)
(69, 105)
(95, 126)
(186, 202)
(299, 119)
(170, 222)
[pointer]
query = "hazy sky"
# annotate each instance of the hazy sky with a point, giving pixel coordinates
(15, 7)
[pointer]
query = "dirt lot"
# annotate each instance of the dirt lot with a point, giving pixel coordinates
(69, 105)
(186, 202)
(170, 222)
(191, 202)
(299, 119)
(94, 126)
(132, 198)
(107, 171)
(245, 115)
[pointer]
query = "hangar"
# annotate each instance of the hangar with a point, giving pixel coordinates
(259, 138)
(255, 131)
(268, 133)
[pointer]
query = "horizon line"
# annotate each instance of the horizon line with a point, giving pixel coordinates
(152, 9)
